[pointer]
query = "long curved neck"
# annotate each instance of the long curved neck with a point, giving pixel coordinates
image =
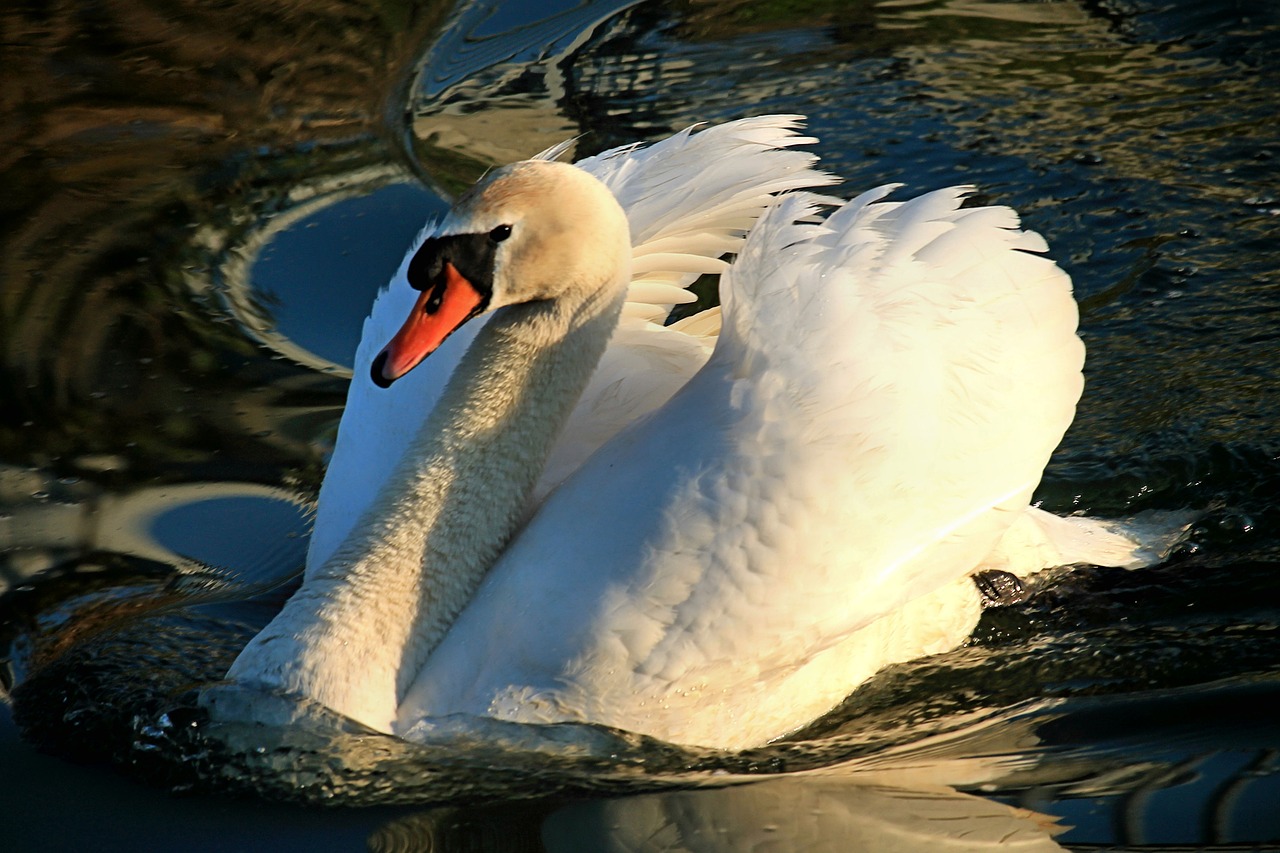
(364, 622)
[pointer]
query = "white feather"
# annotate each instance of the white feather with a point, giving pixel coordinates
(750, 511)
(885, 392)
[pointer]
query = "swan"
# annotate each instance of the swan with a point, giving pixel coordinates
(711, 531)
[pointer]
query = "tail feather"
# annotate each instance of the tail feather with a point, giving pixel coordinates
(1039, 540)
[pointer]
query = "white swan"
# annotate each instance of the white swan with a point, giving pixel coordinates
(776, 520)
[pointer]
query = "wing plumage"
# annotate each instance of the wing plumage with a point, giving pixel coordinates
(940, 366)
(886, 389)
(692, 197)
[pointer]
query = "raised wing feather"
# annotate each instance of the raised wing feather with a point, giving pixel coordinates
(692, 198)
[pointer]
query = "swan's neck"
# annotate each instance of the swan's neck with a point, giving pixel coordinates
(363, 623)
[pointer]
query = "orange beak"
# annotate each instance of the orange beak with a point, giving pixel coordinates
(436, 315)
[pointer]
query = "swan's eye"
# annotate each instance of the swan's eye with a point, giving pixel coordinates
(500, 233)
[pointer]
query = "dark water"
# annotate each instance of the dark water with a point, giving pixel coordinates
(199, 201)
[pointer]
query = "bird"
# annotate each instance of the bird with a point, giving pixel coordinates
(550, 502)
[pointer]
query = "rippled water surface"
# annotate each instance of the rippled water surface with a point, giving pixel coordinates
(199, 201)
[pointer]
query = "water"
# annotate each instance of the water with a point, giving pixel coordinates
(200, 202)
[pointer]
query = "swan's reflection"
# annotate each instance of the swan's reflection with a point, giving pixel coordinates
(1116, 770)
(900, 798)
(801, 815)
(804, 813)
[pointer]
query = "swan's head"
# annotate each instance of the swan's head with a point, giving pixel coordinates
(529, 232)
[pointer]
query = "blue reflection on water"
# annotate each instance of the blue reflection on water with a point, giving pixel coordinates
(320, 275)
(233, 532)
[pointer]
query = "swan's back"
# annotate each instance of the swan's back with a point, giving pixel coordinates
(939, 368)
(885, 392)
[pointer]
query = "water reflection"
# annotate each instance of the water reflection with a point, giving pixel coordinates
(165, 524)
(1143, 773)
(493, 86)
(809, 815)
(303, 282)
(802, 815)
(198, 198)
